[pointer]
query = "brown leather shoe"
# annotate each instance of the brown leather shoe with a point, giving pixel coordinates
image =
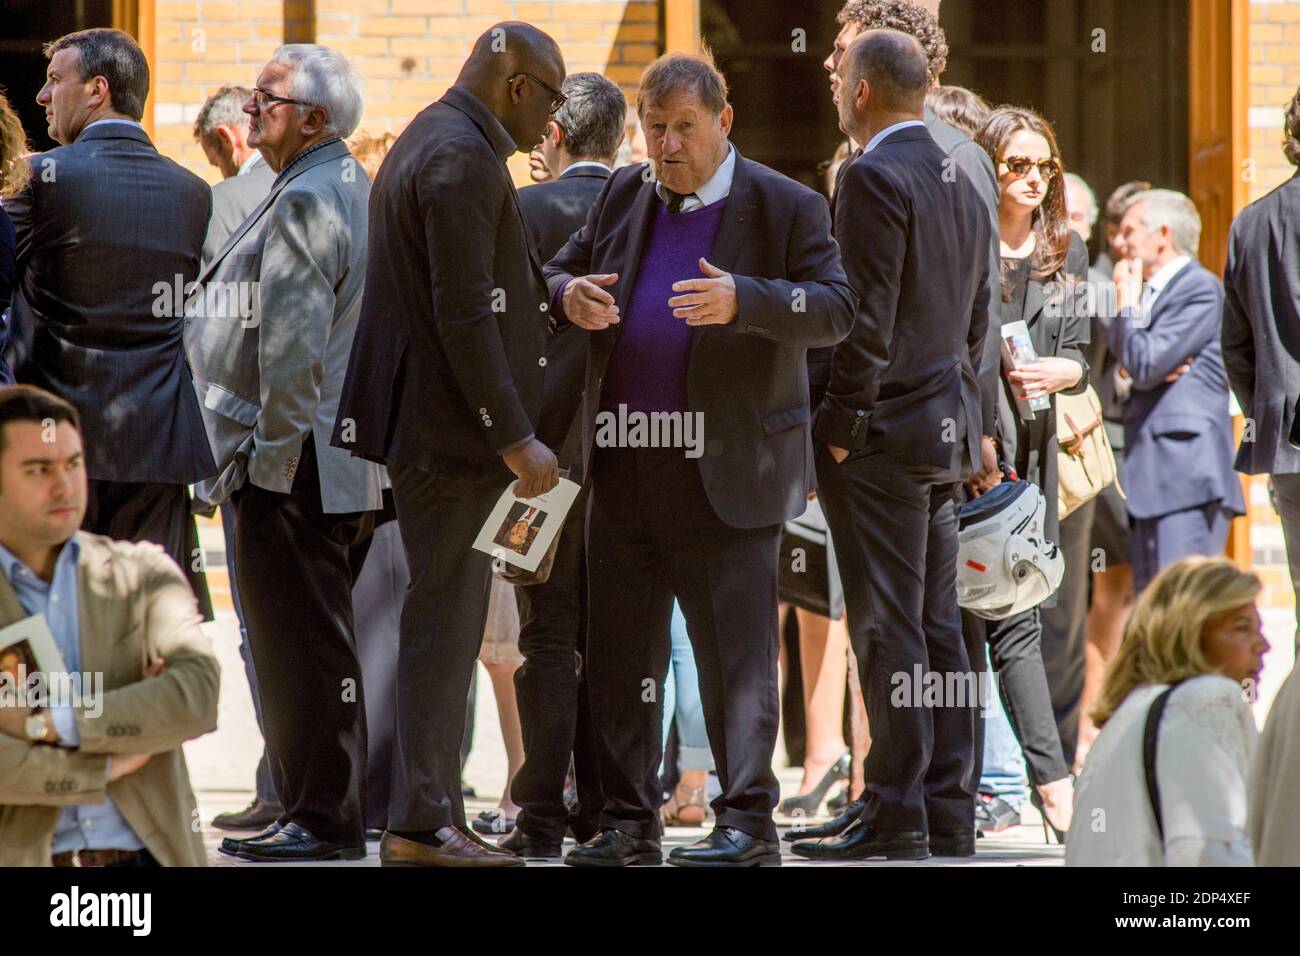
(457, 849)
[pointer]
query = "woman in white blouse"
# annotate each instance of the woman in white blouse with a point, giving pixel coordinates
(1195, 626)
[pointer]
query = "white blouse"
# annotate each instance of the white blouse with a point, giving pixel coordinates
(1203, 756)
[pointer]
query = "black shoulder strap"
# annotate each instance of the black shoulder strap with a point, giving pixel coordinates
(1150, 733)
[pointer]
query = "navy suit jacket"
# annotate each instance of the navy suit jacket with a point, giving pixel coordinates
(1178, 435)
(107, 229)
(915, 244)
(749, 378)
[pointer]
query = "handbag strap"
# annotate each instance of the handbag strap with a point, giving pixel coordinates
(1150, 735)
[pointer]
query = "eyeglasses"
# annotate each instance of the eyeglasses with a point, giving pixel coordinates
(1019, 166)
(558, 99)
(262, 99)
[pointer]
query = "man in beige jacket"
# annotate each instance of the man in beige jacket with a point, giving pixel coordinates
(1275, 782)
(92, 773)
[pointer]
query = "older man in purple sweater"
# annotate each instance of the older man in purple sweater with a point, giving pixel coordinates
(701, 288)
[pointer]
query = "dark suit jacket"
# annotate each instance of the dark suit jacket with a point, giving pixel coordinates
(1261, 326)
(554, 211)
(6, 290)
(1060, 324)
(449, 354)
(1179, 436)
(106, 230)
(915, 248)
(748, 378)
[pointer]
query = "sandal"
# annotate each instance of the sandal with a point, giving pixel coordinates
(686, 808)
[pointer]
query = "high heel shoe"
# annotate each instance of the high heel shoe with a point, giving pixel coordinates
(1037, 802)
(806, 805)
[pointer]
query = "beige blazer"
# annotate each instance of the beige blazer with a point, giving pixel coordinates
(1275, 782)
(134, 607)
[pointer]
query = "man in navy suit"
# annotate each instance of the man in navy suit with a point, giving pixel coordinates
(700, 290)
(581, 141)
(901, 423)
(1179, 478)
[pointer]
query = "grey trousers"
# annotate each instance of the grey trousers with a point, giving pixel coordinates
(1286, 493)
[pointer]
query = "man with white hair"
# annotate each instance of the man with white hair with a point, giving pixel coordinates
(268, 335)
(221, 129)
(1182, 490)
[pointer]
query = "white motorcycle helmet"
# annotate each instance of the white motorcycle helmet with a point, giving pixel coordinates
(1005, 564)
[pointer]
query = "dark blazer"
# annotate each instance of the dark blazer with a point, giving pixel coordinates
(554, 211)
(6, 290)
(748, 378)
(1060, 324)
(1261, 326)
(915, 249)
(450, 350)
(1179, 436)
(107, 229)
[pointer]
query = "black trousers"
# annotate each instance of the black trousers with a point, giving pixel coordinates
(439, 513)
(551, 690)
(895, 532)
(296, 566)
(151, 511)
(653, 535)
(1065, 630)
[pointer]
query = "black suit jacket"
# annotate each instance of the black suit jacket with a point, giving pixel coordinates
(1261, 327)
(554, 211)
(915, 247)
(748, 378)
(107, 229)
(450, 349)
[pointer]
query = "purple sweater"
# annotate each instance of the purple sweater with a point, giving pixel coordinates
(647, 369)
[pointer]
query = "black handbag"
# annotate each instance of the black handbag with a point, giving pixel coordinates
(809, 578)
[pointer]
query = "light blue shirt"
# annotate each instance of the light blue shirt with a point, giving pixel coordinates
(89, 826)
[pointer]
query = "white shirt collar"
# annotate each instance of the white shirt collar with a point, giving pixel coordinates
(113, 119)
(253, 160)
(1166, 273)
(880, 137)
(587, 162)
(718, 186)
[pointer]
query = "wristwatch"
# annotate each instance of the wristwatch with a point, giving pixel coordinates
(37, 727)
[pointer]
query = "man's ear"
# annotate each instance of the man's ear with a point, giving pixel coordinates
(100, 91)
(226, 141)
(555, 133)
(314, 121)
(726, 118)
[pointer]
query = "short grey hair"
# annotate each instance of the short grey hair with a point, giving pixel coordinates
(695, 73)
(593, 117)
(223, 108)
(324, 78)
(1094, 211)
(1165, 207)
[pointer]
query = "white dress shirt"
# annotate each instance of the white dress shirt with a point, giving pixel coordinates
(718, 186)
(887, 131)
(254, 158)
(1206, 744)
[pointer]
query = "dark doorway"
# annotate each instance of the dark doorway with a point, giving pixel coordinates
(771, 54)
(1118, 98)
(28, 25)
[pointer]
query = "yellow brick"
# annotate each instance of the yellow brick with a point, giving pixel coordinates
(1261, 75)
(607, 12)
(173, 11)
(588, 31)
(336, 26)
(637, 52)
(266, 32)
(439, 46)
(259, 53)
(1281, 54)
(183, 93)
(212, 10)
(641, 10)
(226, 30)
(418, 88)
(1264, 33)
(386, 66)
(165, 71)
(1283, 12)
(647, 32)
(429, 8)
(261, 9)
(499, 9)
(177, 52)
(360, 46)
(534, 12)
(391, 26)
(470, 28)
(220, 73)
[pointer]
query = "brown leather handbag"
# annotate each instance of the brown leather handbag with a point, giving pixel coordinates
(1085, 462)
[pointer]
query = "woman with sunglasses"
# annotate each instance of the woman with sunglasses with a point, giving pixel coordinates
(1042, 261)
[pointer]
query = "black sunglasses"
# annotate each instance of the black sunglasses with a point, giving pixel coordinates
(261, 99)
(558, 99)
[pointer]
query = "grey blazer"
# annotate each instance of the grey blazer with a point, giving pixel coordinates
(1261, 327)
(269, 332)
(232, 201)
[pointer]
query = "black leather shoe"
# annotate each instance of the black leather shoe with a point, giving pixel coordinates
(841, 822)
(230, 845)
(727, 846)
(862, 841)
(521, 844)
(960, 842)
(292, 843)
(256, 816)
(612, 847)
